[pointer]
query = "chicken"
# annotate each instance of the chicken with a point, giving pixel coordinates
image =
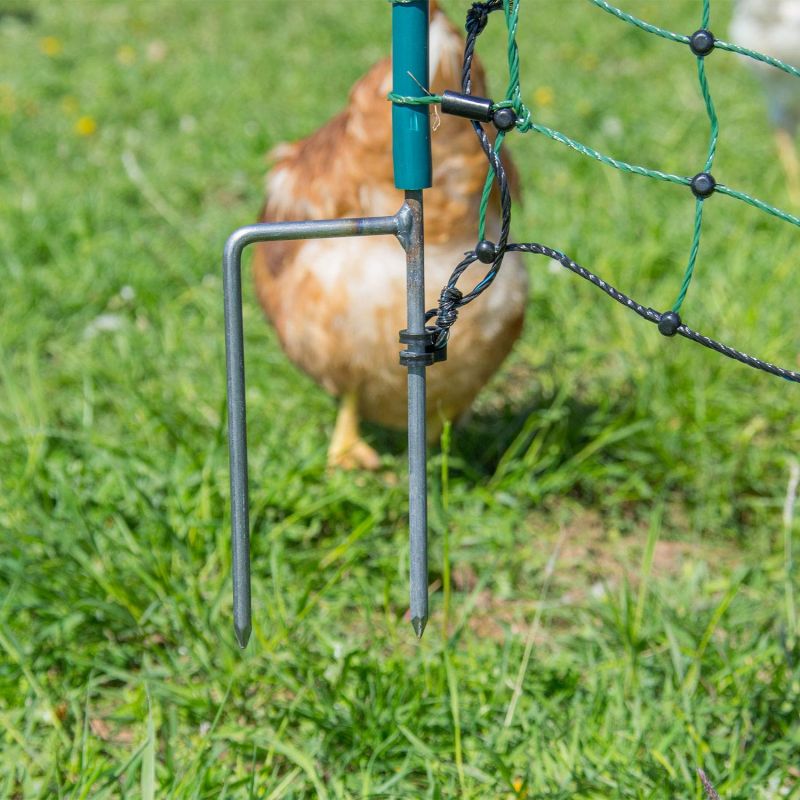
(773, 27)
(338, 305)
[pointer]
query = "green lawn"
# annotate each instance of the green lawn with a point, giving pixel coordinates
(613, 591)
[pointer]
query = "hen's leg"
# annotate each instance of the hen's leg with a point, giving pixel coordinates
(347, 449)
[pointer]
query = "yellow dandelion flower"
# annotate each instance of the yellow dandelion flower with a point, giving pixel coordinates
(85, 126)
(543, 96)
(51, 46)
(126, 55)
(69, 104)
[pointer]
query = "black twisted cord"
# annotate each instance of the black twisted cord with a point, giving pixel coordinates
(452, 298)
(477, 19)
(650, 314)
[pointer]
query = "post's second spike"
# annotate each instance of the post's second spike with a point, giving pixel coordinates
(418, 624)
(242, 632)
(417, 359)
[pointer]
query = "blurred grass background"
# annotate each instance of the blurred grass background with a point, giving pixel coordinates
(615, 604)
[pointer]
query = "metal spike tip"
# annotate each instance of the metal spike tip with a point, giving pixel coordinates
(243, 635)
(418, 624)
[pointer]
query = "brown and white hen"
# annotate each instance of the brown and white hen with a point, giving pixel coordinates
(338, 304)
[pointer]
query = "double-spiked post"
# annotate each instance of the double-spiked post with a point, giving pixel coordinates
(413, 173)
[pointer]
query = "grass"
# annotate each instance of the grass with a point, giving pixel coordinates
(614, 592)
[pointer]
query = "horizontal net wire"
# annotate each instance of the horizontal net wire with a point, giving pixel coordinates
(452, 298)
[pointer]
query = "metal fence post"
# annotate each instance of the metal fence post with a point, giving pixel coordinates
(411, 151)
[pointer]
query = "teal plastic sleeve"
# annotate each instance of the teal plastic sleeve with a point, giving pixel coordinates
(411, 133)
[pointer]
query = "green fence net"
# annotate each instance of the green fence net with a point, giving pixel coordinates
(707, 43)
(703, 185)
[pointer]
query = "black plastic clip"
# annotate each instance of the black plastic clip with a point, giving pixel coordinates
(479, 109)
(467, 105)
(431, 355)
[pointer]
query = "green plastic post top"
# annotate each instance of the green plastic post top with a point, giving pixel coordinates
(411, 133)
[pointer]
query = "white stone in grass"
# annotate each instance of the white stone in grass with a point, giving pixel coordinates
(188, 124)
(132, 137)
(156, 51)
(612, 127)
(105, 323)
(597, 590)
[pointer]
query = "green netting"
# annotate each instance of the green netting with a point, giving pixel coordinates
(526, 123)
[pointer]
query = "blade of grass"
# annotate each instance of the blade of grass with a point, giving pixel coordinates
(653, 533)
(533, 630)
(455, 712)
(148, 778)
(788, 533)
(693, 674)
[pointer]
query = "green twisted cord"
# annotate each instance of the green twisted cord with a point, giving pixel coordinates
(712, 114)
(687, 276)
(759, 204)
(698, 217)
(513, 92)
(677, 37)
(712, 149)
(487, 188)
(513, 99)
(624, 166)
(404, 100)
(756, 56)
(640, 23)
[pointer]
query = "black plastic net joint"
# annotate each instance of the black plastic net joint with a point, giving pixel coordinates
(701, 42)
(669, 324)
(703, 185)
